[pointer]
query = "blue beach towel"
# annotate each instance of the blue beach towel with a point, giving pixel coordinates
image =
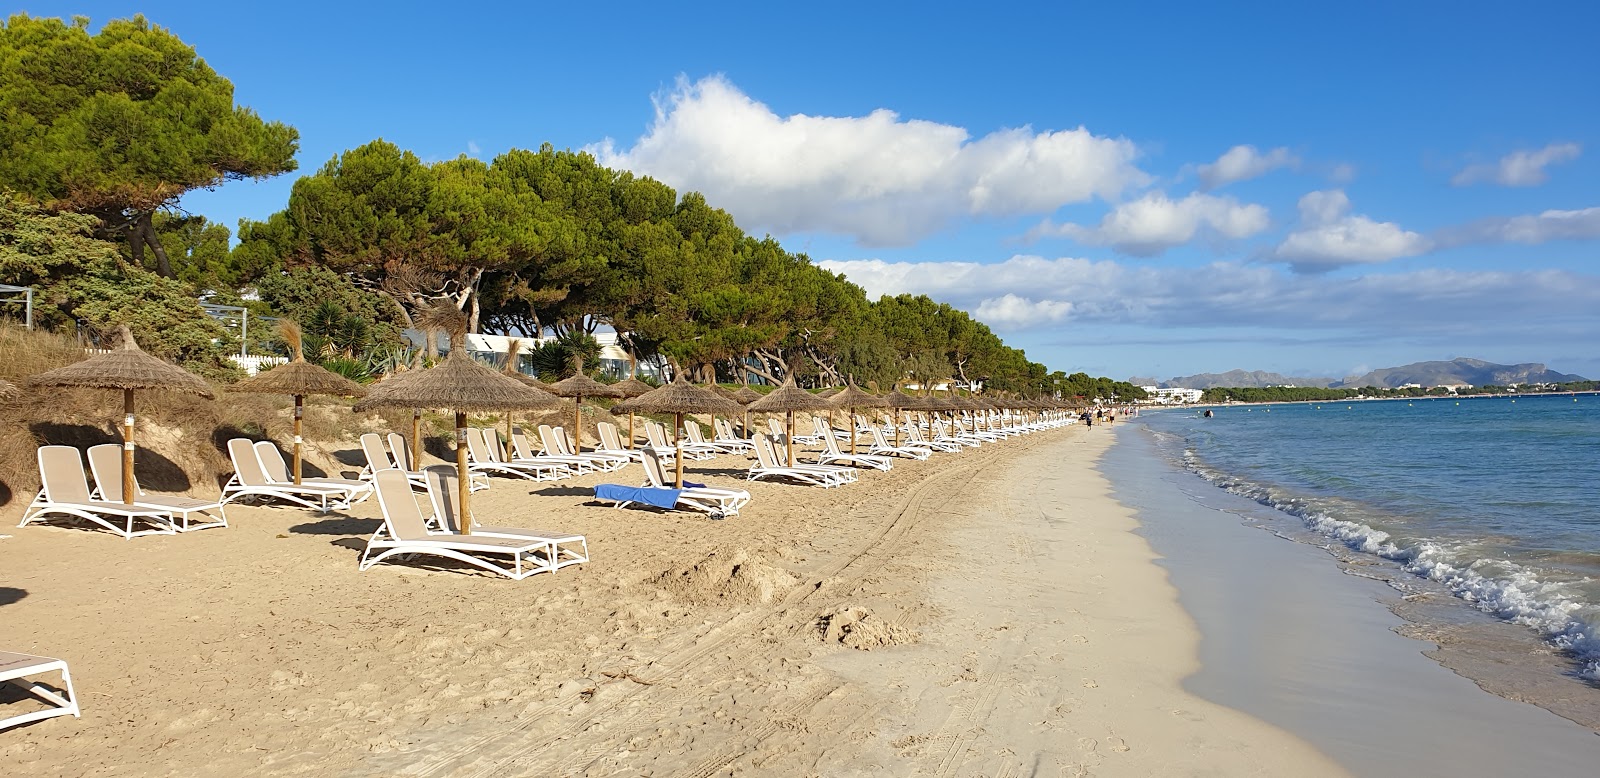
(660, 498)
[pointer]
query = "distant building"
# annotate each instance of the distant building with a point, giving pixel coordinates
(1174, 396)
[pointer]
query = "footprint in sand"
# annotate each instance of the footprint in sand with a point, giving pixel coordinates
(1117, 744)
(1088, 683)
(1087, 744)
(1075, 771)
(1079, 639)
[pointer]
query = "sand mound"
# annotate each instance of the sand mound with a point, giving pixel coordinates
(858, 628)
(740, 576)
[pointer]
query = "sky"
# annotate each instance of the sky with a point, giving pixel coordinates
(1127, 189)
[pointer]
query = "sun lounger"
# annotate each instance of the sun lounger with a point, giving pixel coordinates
(657, 435)
(767, 466)
(483, 457)
(277, 472)
(405, 533)
(780, 451)
(727, 439)
(832, 455)
(105, 462)
(378, 458)
(558, 443)
(565, 548)
(720, 503)
(611, 443)
(64, 491)
(693, 434)
(250, 481)
(401, 451)
(881, 447)
(16, 667)
(946, 446)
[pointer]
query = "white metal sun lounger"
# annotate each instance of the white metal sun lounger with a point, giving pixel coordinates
(947, 446)
(277, 472)
(881, 446)
(831, 454)
(482, 457)
(105, 462)
(64, 701)
(693, 434)
(401, 452)
(611, 443)
(250, 481)
(657, 435)
(565, 547)
(780, 453)
(720, 503)
(727, 439)
(64, 491)
(767, 466)
(378, 458)
(558, 443)
(404, 532)
(561, 467)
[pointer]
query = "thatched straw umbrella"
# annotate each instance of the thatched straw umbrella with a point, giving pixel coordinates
(850, 399)
(628, 389)
(460, 385)
(299, 378)
(578, 387)
(678, 398)
(8, 390)
(787, 399)
(744, 395)
(128, 368)
(898, 401)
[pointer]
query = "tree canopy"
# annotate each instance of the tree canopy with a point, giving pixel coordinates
(122, 123)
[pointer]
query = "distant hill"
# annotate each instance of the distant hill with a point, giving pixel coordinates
(1240, 378)
(1458, 371)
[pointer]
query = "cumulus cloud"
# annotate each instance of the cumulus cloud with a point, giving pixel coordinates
(1243, 162)
(1154, 223)
(1531, 229)
(1519, 168)
(1329, 237)
(1030, 292)
(882, 179)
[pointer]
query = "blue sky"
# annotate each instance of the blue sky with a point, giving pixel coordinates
(1128, 189)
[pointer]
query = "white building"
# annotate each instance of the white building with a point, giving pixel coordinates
(1174, 396)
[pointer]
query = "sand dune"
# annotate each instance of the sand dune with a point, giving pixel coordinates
(981, 613)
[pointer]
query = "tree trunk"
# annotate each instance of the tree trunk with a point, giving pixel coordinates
(146, 229)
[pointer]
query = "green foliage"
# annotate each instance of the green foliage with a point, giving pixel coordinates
(121, 123)
(552, 359)
(81, 280)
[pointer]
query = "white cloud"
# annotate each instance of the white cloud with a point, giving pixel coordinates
(1154, 223)
(882, 179)
(473, 147)
(1531, 229)
(1519, 168)
(1243, 162)
(1330, 236)
(1026, 292)
(1342, 173)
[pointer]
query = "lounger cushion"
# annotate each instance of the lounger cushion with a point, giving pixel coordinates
(660, 498)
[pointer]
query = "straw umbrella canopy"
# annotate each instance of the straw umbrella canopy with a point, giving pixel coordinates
(461, 385)
(629, 389)
(578, 387)
(8, 390)
(678, 398)
(744, 395)
(787, 399)
(896, 400)
(299, 378)
(852, 398)
(130, 369)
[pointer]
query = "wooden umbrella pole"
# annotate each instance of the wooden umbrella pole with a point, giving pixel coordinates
(464, 484)
(299, 412)
(789, 439)
(127, 446)
(507, 446)
(677, 458)
(416, 437)
(630, 430)
(577, 422)
(746, 430)
(852, 422)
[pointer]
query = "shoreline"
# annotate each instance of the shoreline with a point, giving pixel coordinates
(1364, 684)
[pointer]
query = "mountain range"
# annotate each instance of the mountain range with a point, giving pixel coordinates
(1475, 372)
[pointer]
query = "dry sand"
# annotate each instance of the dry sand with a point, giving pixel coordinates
(983, 613)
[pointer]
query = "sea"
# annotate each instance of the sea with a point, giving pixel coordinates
(1482, 513)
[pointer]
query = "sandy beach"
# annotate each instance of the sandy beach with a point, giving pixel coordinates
(982, 613)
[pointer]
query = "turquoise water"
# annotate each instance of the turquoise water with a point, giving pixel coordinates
(1498, 499)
